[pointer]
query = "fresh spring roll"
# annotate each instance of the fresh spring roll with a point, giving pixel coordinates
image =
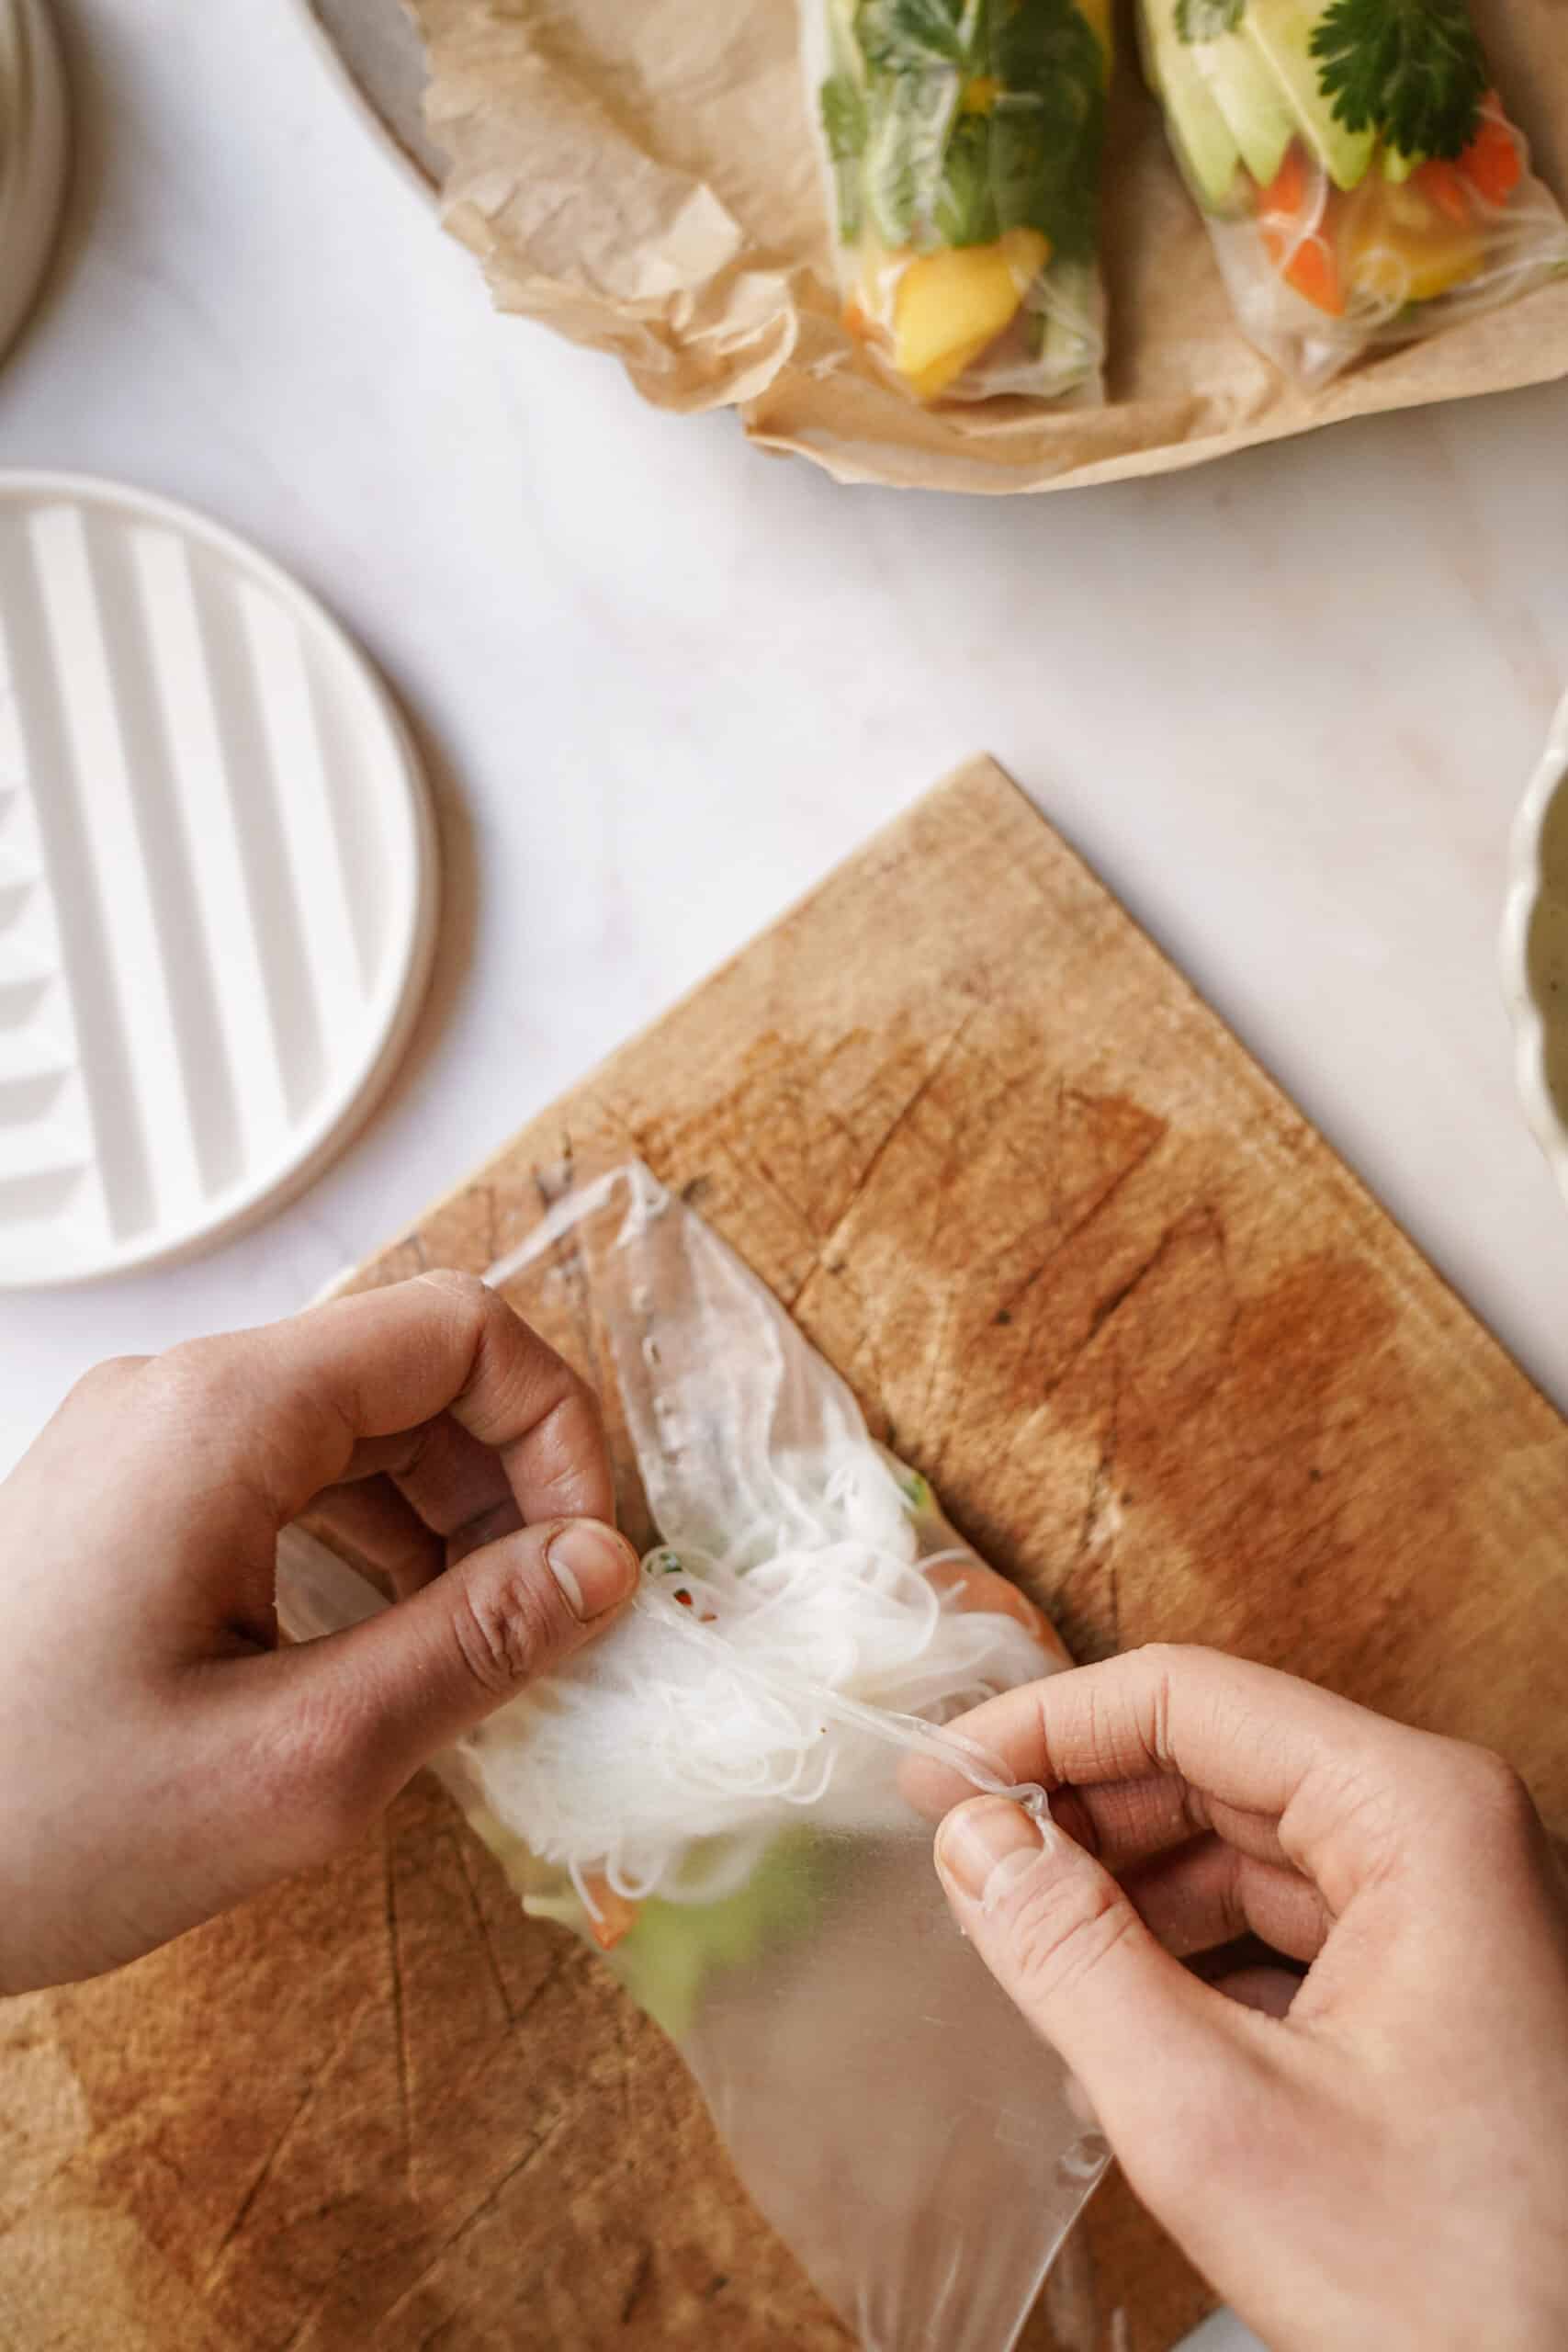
(1361, 181)
(962, 142)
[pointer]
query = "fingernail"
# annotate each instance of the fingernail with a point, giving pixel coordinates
(986, 1846)
(594, 1566)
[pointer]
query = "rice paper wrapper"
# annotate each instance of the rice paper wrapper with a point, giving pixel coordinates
(645, 180)
(888, 2109)
(961, 151)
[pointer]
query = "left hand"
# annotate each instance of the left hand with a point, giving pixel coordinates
(161, 1756)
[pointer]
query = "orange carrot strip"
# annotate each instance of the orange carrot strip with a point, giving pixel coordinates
(1493, 162)
(1285, 196)
(1443, 185)
(1307, 263)
(615, 1917)
(1312, 271)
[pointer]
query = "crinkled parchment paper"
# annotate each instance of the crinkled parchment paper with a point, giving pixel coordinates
(640, 175)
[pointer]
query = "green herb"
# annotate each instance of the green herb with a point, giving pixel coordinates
(843, 118)
(1411, 70)
(933, 174)
(1048, 129)
(967, 203)
(910, 36)
(1207, 19)
(911, 116)
(844, 126)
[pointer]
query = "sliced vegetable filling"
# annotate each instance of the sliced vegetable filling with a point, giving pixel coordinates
(1354, 159)
(963, 139)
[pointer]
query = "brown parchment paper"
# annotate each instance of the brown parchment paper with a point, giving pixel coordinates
(641, 176)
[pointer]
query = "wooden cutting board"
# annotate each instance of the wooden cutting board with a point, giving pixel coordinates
(1167, 1363)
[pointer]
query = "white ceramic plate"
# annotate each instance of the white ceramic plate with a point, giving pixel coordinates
(217, 882)
(32, 155)
(1535, 948)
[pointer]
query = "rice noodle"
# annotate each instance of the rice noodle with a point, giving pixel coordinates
(739, 1691)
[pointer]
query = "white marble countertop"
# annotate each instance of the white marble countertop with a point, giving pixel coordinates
(1285, 704)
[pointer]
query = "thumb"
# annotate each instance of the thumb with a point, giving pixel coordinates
(413, 1677)
(1147, 2041)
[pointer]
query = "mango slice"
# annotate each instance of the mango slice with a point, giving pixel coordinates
(951, 304)
(1399, 248)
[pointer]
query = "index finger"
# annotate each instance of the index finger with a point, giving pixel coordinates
(313, 1389)
(1247, 1739)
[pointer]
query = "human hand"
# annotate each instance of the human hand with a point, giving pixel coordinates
(1374, 2154)
(161, 1756)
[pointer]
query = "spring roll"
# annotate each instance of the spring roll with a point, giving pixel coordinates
(962, 141)
(1362, 183)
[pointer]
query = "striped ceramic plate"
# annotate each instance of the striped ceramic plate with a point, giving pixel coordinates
(217, 882)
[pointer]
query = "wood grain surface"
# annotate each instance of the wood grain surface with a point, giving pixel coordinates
(1167, 1364)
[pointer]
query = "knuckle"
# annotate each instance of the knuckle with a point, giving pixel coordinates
(1166, 1663)
(1066, 1926)
(1488, 1789)
(576, 1393)
(205, 1373)
(572, 1427)
(104, 1383)
(486, 1323)
(468, 1292)
(1162, 1666)
(506, 1628)
(1168, 1657)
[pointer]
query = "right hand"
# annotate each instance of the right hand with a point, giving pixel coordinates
(1374, 2154)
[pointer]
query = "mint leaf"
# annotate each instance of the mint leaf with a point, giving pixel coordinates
(966, 205)
(1048, 128)
(1411, 70)
(1207, 19)
(934, 174)
(844, 126)
(842, 102)
(910, 114)
(910, 36)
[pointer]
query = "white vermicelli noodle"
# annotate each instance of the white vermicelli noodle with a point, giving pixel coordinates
(732, 1698)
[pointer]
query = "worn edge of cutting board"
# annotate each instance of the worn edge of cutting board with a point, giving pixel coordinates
(112, 2236)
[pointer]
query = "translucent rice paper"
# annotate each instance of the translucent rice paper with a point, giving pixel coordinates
(768, 1894)
(961, 141)
(1334, 241)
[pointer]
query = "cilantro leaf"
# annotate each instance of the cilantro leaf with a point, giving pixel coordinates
(1207, 19)
(1412, 70)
